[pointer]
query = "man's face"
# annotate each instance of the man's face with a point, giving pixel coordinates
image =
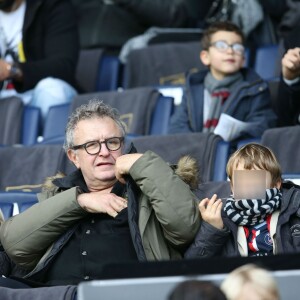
(223, 62)
(98, 170)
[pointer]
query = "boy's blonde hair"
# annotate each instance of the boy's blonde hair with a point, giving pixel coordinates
(262, 281)
(219, 26)
(255, 155)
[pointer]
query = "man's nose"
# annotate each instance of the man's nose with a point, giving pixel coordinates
(104, 150)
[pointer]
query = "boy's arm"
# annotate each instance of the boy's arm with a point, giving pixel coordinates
(208, 242)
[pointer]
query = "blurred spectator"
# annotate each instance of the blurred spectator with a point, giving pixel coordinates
(287, 104)
(39, 50)
(229, 100)
(196, 290)
(250, 282)
(110, 23)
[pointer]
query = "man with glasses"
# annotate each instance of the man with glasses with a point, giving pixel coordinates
(114, 208)
(226, 92)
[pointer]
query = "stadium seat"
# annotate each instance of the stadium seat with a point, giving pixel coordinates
(55, 124)
(161, 64)
(285, 143)
(267, 61)
(244, 142)
(201, 146)
(31, 125)
(221, 157)
(97, 71)
(109, 72)
(6, 209)
(16, 202)
(161, 115)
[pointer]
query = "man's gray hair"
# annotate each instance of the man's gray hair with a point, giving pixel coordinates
(95, 108)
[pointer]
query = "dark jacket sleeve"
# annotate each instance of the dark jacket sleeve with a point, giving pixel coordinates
(209, 242)
(50, 42)
(287, 104)
(259, 112)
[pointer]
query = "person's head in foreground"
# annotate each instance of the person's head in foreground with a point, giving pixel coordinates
(250, 282)
(196, 290)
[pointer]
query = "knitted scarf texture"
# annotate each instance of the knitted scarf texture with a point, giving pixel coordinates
(253, 211)
(219, 91)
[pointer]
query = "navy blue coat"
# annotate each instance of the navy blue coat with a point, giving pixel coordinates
(249, 102)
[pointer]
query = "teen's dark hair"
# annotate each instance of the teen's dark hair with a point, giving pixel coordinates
(219, 26)
(196, 290)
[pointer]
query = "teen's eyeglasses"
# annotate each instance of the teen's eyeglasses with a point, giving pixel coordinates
(222, 46)
(94, 147)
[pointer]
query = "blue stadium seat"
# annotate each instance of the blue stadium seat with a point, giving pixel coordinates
(244, 142)
(97, 71)
(26, 204)
(267, 61)
(6, 209)
(30, 125)
(161, 115)
(22, 199)
(221, 158)
(109, 72)
(55, 124)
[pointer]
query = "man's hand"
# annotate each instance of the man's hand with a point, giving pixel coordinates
(291, 64)
(4, 70)
(210, 210)
(99, 202)
(123, 165)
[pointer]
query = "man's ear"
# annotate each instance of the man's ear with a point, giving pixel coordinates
(73, 157)
(204, 57)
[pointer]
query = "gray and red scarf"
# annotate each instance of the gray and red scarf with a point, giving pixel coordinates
(219, 91)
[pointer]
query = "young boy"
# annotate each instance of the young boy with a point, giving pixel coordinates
(250, 227)
(226, 88)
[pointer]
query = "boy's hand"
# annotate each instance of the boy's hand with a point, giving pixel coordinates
(210, 210)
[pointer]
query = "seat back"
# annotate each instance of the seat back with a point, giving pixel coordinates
(97, 71)
(55, 123)
(31, 166)
(161, 115)
(161, 64)
(31, 125)
(285, 143)
(221, 159)
(136, 106)
(6, 209)
(16, 202)
(171, 147)
(267, 61)
(11, 114)
(109, 73)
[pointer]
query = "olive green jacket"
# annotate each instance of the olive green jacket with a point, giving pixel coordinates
(168, 218)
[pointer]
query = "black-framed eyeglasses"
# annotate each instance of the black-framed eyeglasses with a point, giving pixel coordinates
(94, 147)
(222, 46)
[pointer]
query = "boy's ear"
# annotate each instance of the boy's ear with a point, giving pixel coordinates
(204, 57)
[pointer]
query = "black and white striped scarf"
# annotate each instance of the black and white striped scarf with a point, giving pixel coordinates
(253, 211)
